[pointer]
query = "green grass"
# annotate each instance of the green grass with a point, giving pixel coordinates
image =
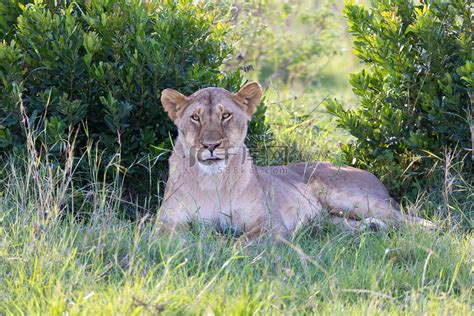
(53, 263)
(101, 263)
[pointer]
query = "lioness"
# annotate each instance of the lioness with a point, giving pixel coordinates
(212, 177)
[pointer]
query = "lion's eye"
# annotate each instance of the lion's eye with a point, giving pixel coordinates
(226, 116)
(195, 118)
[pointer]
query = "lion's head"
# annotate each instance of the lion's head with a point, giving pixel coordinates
(212, 122)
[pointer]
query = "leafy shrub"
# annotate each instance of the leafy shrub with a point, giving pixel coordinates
(9, 11)
(414, 95)
(98, 67)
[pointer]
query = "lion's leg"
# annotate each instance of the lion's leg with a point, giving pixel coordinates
(173, 216)
(375, 210)
(356, 194)
(362, 204)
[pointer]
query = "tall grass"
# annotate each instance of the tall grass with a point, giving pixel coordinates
(65, 249)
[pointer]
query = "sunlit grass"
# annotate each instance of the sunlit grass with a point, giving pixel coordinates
(301, 128)
(65, 249)
(53, 262)
(111, 266)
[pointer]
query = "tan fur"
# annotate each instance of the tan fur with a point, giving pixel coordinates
(234, 192)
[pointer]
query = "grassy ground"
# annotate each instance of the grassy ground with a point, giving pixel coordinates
(113, 266)
(53, 263)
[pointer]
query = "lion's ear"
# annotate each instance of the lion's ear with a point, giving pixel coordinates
(249, 96)
(174, 103)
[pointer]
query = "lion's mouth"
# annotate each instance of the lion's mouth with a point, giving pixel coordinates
(210, 160)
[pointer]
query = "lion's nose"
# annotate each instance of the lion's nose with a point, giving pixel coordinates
(211, 146)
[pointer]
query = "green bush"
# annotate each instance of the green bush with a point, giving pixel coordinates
(9, 11)
(98, 67)
(413, 95)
